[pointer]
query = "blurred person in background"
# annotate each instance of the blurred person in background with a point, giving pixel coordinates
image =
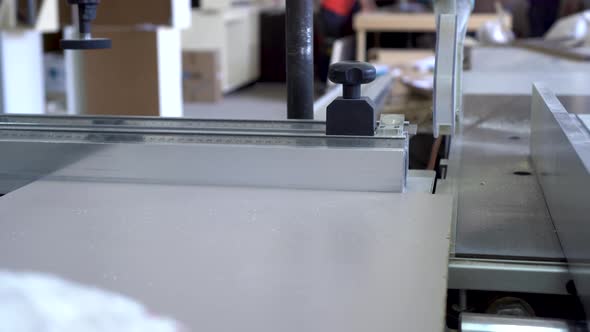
(571, 7)
(335, 22)
(336, 15)
(533, 18)
(544, 13)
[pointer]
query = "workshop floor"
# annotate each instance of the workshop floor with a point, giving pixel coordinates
(265, 101)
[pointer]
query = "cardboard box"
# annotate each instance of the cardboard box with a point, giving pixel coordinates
(166, 13)
(140, 75)
(202, 78)
(235, 35)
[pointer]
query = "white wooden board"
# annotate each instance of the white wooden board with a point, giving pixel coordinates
(241, 259)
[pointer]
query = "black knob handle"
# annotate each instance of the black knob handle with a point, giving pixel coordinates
(86, 14)
(352, 74)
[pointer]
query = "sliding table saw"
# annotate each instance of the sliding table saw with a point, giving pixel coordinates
(277, 226)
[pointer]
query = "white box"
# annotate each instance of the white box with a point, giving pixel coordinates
(235, 34)
(22, 90)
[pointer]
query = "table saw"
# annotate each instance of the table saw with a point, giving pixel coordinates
(276, 223)
(282, 226)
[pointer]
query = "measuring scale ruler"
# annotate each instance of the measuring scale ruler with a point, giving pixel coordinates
(276, 154)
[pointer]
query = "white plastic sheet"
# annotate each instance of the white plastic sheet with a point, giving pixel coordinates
(41, 303)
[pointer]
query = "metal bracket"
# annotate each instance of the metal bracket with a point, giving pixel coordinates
(452, 19)
(508, 276)
(444, 89)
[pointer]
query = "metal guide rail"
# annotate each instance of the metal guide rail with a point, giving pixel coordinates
(112, 135)
(149, 150)
(164, 123)
(64, 129)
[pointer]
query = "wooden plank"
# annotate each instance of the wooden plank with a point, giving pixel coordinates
(361, 45)
(402, 57)
(395, 22)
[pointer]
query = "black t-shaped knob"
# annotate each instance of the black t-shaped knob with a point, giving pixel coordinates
(352, 74)
(86, 14)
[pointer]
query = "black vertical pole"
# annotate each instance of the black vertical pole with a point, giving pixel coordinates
(299, 37)
(31, 12)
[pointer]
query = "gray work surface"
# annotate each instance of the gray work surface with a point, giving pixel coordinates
(241, 259)
(512, 71)
(499, 214)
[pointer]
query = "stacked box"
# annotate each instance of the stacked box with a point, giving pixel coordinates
(201, 76)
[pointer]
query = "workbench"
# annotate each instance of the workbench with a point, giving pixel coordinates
(396, 22)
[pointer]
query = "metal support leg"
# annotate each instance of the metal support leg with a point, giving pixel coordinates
(299, 30)
(31, 12)
(361, 45)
